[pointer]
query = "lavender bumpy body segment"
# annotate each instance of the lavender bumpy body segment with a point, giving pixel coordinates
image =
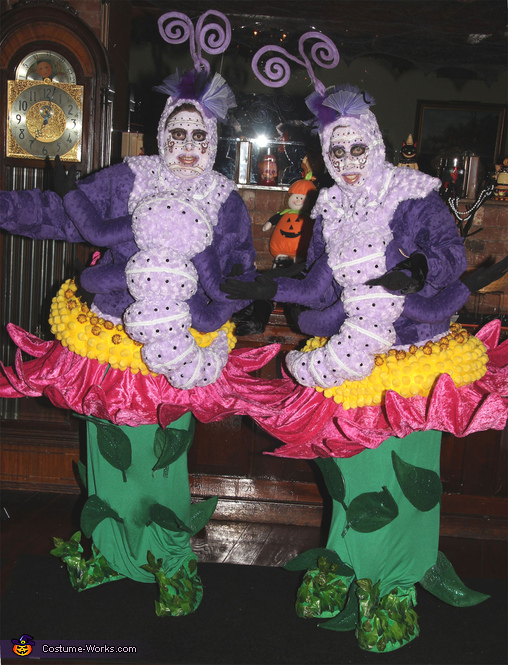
(162, 278)
(373, 217)
(172, 229)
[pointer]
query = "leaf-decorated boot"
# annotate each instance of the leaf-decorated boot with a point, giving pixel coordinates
(84, 574)
(386, 622)
(323, 592)
(180, 594)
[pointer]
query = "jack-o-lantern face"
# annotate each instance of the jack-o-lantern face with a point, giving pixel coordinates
(291, 235)
(23, 646)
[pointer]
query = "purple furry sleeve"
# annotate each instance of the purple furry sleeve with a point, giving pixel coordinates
(37, 215)
(232, 244)
(96, 230)
(108, 191)
(317, 289)
(427, 227)
(439, 308)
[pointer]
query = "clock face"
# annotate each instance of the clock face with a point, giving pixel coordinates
(44, 120)
(45, 64)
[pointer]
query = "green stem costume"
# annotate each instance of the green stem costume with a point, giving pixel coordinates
(404, 544)
(139, 512)
(125, 543)
(383, 540)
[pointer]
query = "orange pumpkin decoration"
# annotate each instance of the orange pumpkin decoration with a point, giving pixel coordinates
(293, 226)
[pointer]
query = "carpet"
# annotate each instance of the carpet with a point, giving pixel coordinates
(246, 616)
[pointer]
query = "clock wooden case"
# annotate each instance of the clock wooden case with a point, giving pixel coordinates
(56, 85)
(55, 98)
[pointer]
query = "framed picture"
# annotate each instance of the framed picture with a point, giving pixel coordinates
(452, 129)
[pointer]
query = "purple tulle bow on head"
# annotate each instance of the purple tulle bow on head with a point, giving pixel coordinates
(341, 100)
(213, 93)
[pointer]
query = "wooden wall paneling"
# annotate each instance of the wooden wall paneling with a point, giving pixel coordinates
(452, 456)
(222, 448)
(501, 475)
(480, 466)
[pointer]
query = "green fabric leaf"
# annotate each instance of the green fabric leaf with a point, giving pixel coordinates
(166, 518)
(94, 511)
(82, 472)
(347, 619)
(115, 446)
(333, 478)
(442, 581)
(153, 566)
(421, 487)
(170, 444)
(71, 547)
(201, 513)
(371, 511)
(309, 559)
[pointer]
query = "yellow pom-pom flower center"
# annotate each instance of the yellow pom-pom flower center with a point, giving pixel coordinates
(83, 332)
(412, 372)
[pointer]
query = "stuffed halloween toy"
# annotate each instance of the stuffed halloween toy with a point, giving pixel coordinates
(500, 178)
(152, 345)
(383, 373)
(408, 154)
(268, 170)
(293, 226)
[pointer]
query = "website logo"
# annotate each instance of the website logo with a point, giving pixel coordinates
(23, 646)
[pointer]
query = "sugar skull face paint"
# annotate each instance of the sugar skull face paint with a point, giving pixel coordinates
(186, 144)
(349, 156)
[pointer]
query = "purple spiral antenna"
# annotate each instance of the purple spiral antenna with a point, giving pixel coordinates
(324, 53)
(214, 38)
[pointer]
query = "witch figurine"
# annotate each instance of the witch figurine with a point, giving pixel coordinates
(143, 339)
(383, 372)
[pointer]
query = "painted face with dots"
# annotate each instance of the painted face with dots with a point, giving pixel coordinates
(349, 156)
(186, 143)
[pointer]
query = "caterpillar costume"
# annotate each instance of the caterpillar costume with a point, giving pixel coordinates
(383, 375)
(153, 346)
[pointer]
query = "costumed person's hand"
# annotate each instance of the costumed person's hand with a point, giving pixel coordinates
(292, 311)
(236, 270)
(63, 181)
(482, 277)
(253, 319)
(293, 270)
(263, 288)
(396, 280)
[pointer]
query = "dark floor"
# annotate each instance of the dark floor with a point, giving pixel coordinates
(30, 520)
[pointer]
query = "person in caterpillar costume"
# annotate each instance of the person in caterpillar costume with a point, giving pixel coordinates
(383, 375)
(153, 346)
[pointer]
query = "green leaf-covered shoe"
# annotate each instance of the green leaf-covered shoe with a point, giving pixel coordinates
(323, 592)
(180, 594)
(83, 574)
(388, 622)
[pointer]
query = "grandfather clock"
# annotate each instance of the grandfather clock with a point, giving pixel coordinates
(57, 99)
